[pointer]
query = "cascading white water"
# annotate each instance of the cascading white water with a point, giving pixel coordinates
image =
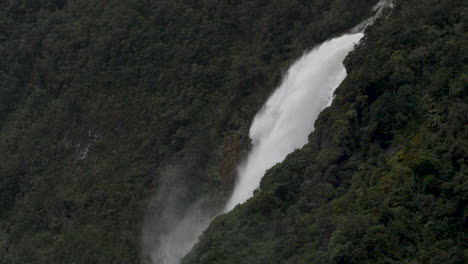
(281, 126)
(287, 118)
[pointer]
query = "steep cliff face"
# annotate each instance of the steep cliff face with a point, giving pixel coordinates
(99, 98)
(383, 178)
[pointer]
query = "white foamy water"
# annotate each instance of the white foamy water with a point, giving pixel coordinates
(287, 118)
(280, 127)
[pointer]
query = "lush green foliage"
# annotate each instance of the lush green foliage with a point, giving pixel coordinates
(384, 176)
(96, 97)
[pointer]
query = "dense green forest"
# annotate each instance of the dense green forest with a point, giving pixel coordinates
(98, 98)
(384, 176)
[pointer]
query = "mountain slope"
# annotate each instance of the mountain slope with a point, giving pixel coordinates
(98, 98)
(383, 178)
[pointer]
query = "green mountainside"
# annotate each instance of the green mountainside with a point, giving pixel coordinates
(99, 98)
(384, 176)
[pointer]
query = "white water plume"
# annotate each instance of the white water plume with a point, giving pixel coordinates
(287, 118)
(280, 127)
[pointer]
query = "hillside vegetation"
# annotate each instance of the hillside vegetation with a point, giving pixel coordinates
(98, 98)
(384, 176)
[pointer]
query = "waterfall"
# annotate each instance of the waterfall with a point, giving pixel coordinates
(287, 118)
(281, 126)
